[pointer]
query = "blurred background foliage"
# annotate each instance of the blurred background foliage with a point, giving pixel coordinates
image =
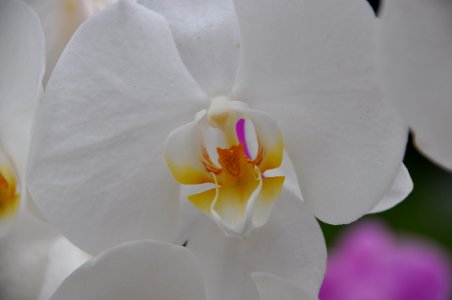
(427, 212)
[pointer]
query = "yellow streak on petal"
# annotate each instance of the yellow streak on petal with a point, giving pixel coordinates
(203, 201)
(235, 184)
(73, 13)
(70, 6)
(271, 187)
(186, 174)
(9, 198)
(272, 157)
(232, 199)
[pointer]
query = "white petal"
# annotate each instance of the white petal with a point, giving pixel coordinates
(416, 58)
(59, 19)
(401, 188)
(136, 271)
(183, 152)
(97, 167)
(62, 259)
(291, 180)
(22, 67)
(208, 39)
(190, 216)
(271, 287)
(309, 64)
(290, 246)
(23, 258)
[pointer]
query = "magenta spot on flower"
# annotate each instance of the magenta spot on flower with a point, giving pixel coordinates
(240, 129)
(371, 264)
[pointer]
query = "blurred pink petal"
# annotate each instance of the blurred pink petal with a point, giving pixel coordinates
(371, 264)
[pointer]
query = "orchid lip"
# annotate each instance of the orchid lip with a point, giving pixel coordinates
(242, 196)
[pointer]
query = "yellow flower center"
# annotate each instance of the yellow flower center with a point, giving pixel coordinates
(9, 198)
(242, 196)
(237, 179)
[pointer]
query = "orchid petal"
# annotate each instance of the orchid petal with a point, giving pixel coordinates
(24, 256)
(289, 246)
(63, 258)
(135, 271)
(271, 287)
(59, 19)
(401, 188)
(290, 177)
(183, 152)
(22, 67)
(416, 59)
(97, 166)
(310, 65)
(207, 36)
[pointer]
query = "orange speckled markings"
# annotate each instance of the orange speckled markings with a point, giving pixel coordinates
(238, 178)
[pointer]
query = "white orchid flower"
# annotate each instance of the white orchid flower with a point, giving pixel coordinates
(150, 270)
(22, 67)
(60, 19)
(29, 267)
(416, 59)
(34, 260)
(130, 79)
(145, 94)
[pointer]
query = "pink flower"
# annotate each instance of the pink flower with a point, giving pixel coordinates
(371, 264)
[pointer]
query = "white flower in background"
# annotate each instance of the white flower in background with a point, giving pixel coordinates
(258, 78)
(30, 268)
(22, 57)
(34, 260)
(416, 58)
(22, 67)
(154, 271)
(60, 19)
